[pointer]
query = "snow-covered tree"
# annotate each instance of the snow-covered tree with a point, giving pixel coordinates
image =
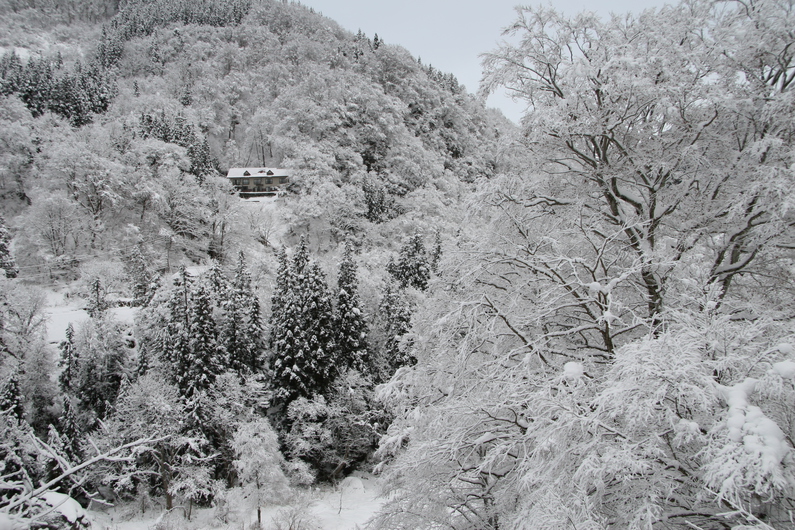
(37, 383)
(380, 204)
(394, 321)
(7, 262)
(69, 361)
(412, 268)
(336, 433)
(217, 283)
(435, 255)
(241, 333)
(104, 355)
(149, 408)
(349, 323)
(202, 361)
(302, 333)
(281, 290)
(23, 317)
(175, 341)
(70, 432)
(259, 464)
(194, 484)
(20, 462)
(11, 397)
(611, 350)
(143, 278)
(97, 299)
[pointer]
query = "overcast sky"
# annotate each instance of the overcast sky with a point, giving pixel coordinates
(450, 34)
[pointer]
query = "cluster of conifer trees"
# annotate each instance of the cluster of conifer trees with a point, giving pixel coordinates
(177, 130)
(77, 93)
(201, 347)
(45, 84)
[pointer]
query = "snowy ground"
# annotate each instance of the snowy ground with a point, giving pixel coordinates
(346, 507)
(61, 311)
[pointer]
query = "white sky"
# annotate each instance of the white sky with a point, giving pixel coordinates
(450, 34)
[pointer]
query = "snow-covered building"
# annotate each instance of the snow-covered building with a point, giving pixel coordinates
(254, 181)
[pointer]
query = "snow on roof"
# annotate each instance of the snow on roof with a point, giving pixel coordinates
(235, 172)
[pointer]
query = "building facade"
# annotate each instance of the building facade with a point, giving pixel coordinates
(258, 181)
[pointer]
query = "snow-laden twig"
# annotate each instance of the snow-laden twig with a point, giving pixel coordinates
(103, 457)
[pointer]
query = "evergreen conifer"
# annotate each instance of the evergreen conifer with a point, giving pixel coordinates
(197, 370)
(218, 284)
(412, 268)
(395, 317)
(11, 397)
(241, 333)
(302, 334)
(436, 252)
(69, 360)
(97, 301)
(143, 279)
(70, 432)
(350, 327)
(7, 262)
(175, 347)
(103, 355)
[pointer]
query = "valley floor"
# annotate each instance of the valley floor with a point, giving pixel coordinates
(346, 507)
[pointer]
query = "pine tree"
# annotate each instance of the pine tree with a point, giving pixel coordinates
(380, 205)
(411, 269)
(395, 318)
(241, 334)
(103, 355)
(144, 280)
(70, 432)
(97, 301)
(281, 291)
(202, 163)
(186, 97)
(217, 283)
(144, 362)
(175, 341)
(318, 328)
(349, 324)
(7, 262)
(11, 397)
(436, 252)
(69, 362)
(302, 336)
(300, 260)
(197, 370)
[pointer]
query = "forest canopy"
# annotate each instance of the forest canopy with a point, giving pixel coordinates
(583, 321)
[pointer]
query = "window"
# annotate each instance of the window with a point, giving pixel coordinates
(244, 182)
(269, 173)
(282, 179)
(246, 174)
(267, 181)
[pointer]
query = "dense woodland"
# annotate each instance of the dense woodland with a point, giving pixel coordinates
(585, 321)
